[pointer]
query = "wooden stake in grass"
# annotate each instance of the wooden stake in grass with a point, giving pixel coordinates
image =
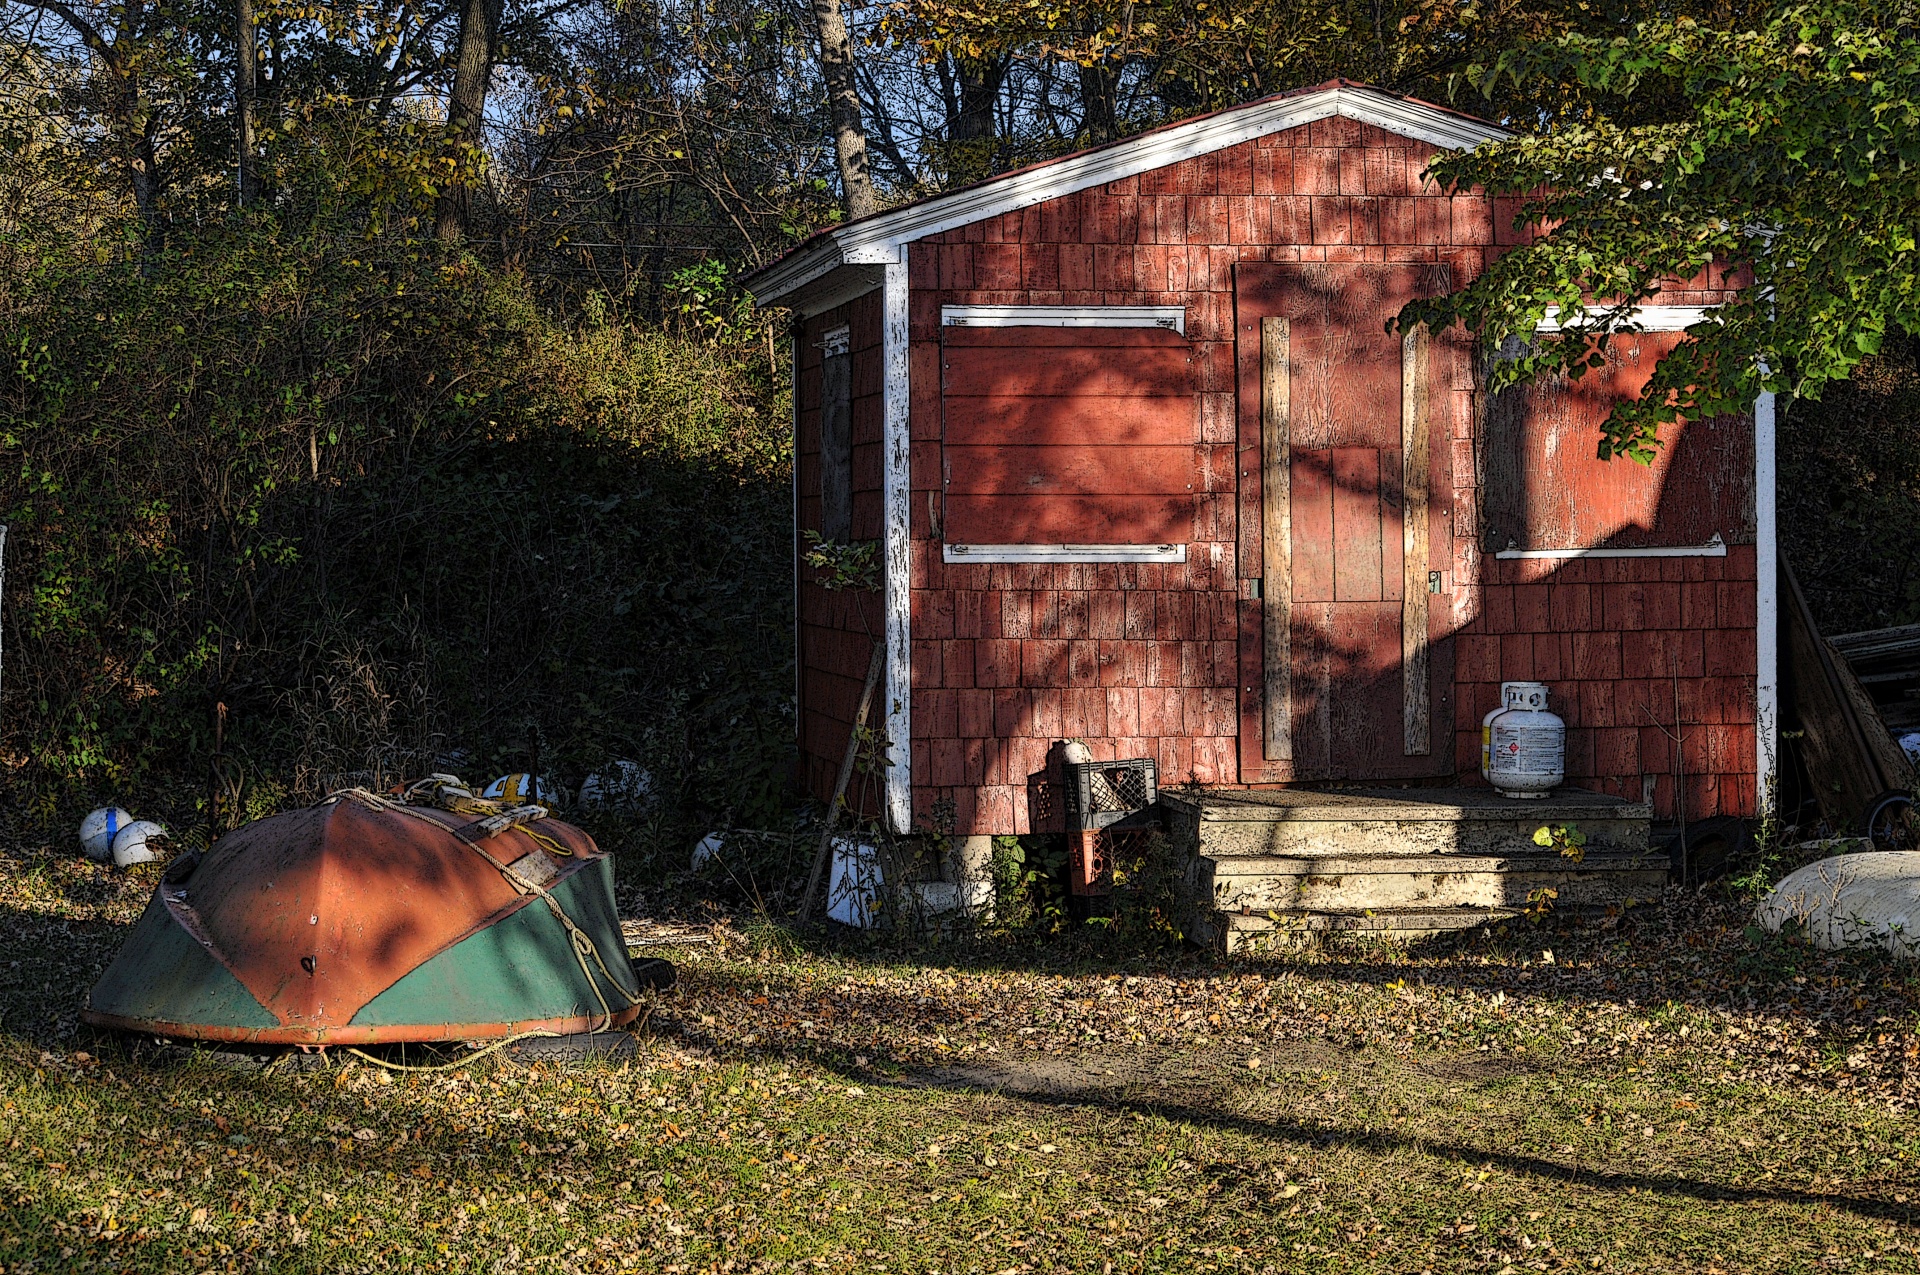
(820, 856)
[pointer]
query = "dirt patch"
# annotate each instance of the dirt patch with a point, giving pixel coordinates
(1104, 1074)
(1474, 1068)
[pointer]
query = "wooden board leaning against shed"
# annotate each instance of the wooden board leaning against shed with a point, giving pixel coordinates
(1846, 738)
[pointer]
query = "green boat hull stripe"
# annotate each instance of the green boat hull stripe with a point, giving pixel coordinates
(163, 974)
(520, 968)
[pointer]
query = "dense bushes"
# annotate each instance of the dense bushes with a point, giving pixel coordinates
(369, 498)
(1850, 494)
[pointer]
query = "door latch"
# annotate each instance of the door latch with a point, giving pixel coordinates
(1433, 582)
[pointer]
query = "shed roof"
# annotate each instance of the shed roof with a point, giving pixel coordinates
(801, 276)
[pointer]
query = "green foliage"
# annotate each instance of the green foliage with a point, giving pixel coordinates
(1030, 880)
(837, 566)
(1786, 149)
(1566, 838)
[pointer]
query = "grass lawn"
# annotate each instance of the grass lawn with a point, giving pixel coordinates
(1660, 1096)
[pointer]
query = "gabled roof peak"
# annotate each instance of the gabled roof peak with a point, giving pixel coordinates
(878, 239)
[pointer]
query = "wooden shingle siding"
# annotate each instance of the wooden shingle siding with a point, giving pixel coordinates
(837, 629)
(1155, 659)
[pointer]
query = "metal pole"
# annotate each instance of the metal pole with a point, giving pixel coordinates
(3, 594)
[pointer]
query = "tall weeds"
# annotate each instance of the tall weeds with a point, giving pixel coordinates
(287, 507)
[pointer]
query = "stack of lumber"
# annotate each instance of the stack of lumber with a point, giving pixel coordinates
(1852, 694)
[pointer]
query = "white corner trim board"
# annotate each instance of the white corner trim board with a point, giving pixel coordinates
(1714, 548)
(1062, 553)
(1065, 316)
(1766, 563)
(896, 546)
(1646, 318)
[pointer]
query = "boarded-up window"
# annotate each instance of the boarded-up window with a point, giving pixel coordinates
(1069, 436)
(1547, 488)
(836, 437)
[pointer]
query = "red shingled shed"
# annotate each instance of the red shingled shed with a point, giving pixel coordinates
(1147, 470)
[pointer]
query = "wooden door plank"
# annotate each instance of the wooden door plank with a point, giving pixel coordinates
(1416, 692)
(1356, 524)
(1392, 533)
(1311, 482)
(1276, 461)
(1313, 659)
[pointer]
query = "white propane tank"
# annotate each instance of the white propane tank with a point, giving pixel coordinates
(1528, 757)
(1509, 698)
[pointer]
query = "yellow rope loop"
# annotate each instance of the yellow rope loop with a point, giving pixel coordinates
(552, 846)
(458, 1062)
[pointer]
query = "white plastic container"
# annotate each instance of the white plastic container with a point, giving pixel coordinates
(1509, 698)
(1528, 756)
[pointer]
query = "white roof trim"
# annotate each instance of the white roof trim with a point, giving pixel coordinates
(1173, 317)
(878, 240)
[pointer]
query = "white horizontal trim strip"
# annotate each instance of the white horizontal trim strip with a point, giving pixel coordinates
(1714, 548)
(1647, 318)
(1063, 553)
(1065, 316)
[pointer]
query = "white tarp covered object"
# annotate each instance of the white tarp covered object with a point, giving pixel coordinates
(1852, 900)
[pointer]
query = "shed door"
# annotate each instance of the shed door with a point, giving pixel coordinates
(1344, 475)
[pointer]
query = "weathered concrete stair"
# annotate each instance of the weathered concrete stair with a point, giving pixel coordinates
(1291, 863)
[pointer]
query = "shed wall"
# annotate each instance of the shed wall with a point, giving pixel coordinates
(1142, 660)
(837, 629)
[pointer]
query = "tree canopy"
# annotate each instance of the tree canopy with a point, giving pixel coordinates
(1788, 149)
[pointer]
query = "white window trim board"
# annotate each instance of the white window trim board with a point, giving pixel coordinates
(964, 554)
(1646, 318)
(1714, 548)
(1173, 317)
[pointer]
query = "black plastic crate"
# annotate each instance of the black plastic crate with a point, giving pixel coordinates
(1101, 794)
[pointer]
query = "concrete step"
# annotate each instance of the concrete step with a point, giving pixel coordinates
(1266, 823)
(1347, 882)
(1281, 931)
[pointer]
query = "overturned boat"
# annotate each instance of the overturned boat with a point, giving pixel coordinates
(365, 920)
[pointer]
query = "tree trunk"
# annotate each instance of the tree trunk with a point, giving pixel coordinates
(843, 107)
(1099, 106)
(244, 83)
(466, 109)
(979, 93)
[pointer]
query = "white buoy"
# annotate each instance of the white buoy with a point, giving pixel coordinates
(708, 848)
(1851, 900)
(1529, 745)
(621, 786)
(135, 843)
(98, 830)
(521, 788)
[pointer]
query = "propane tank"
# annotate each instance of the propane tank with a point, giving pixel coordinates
(1509, 698)
(1528, 755)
